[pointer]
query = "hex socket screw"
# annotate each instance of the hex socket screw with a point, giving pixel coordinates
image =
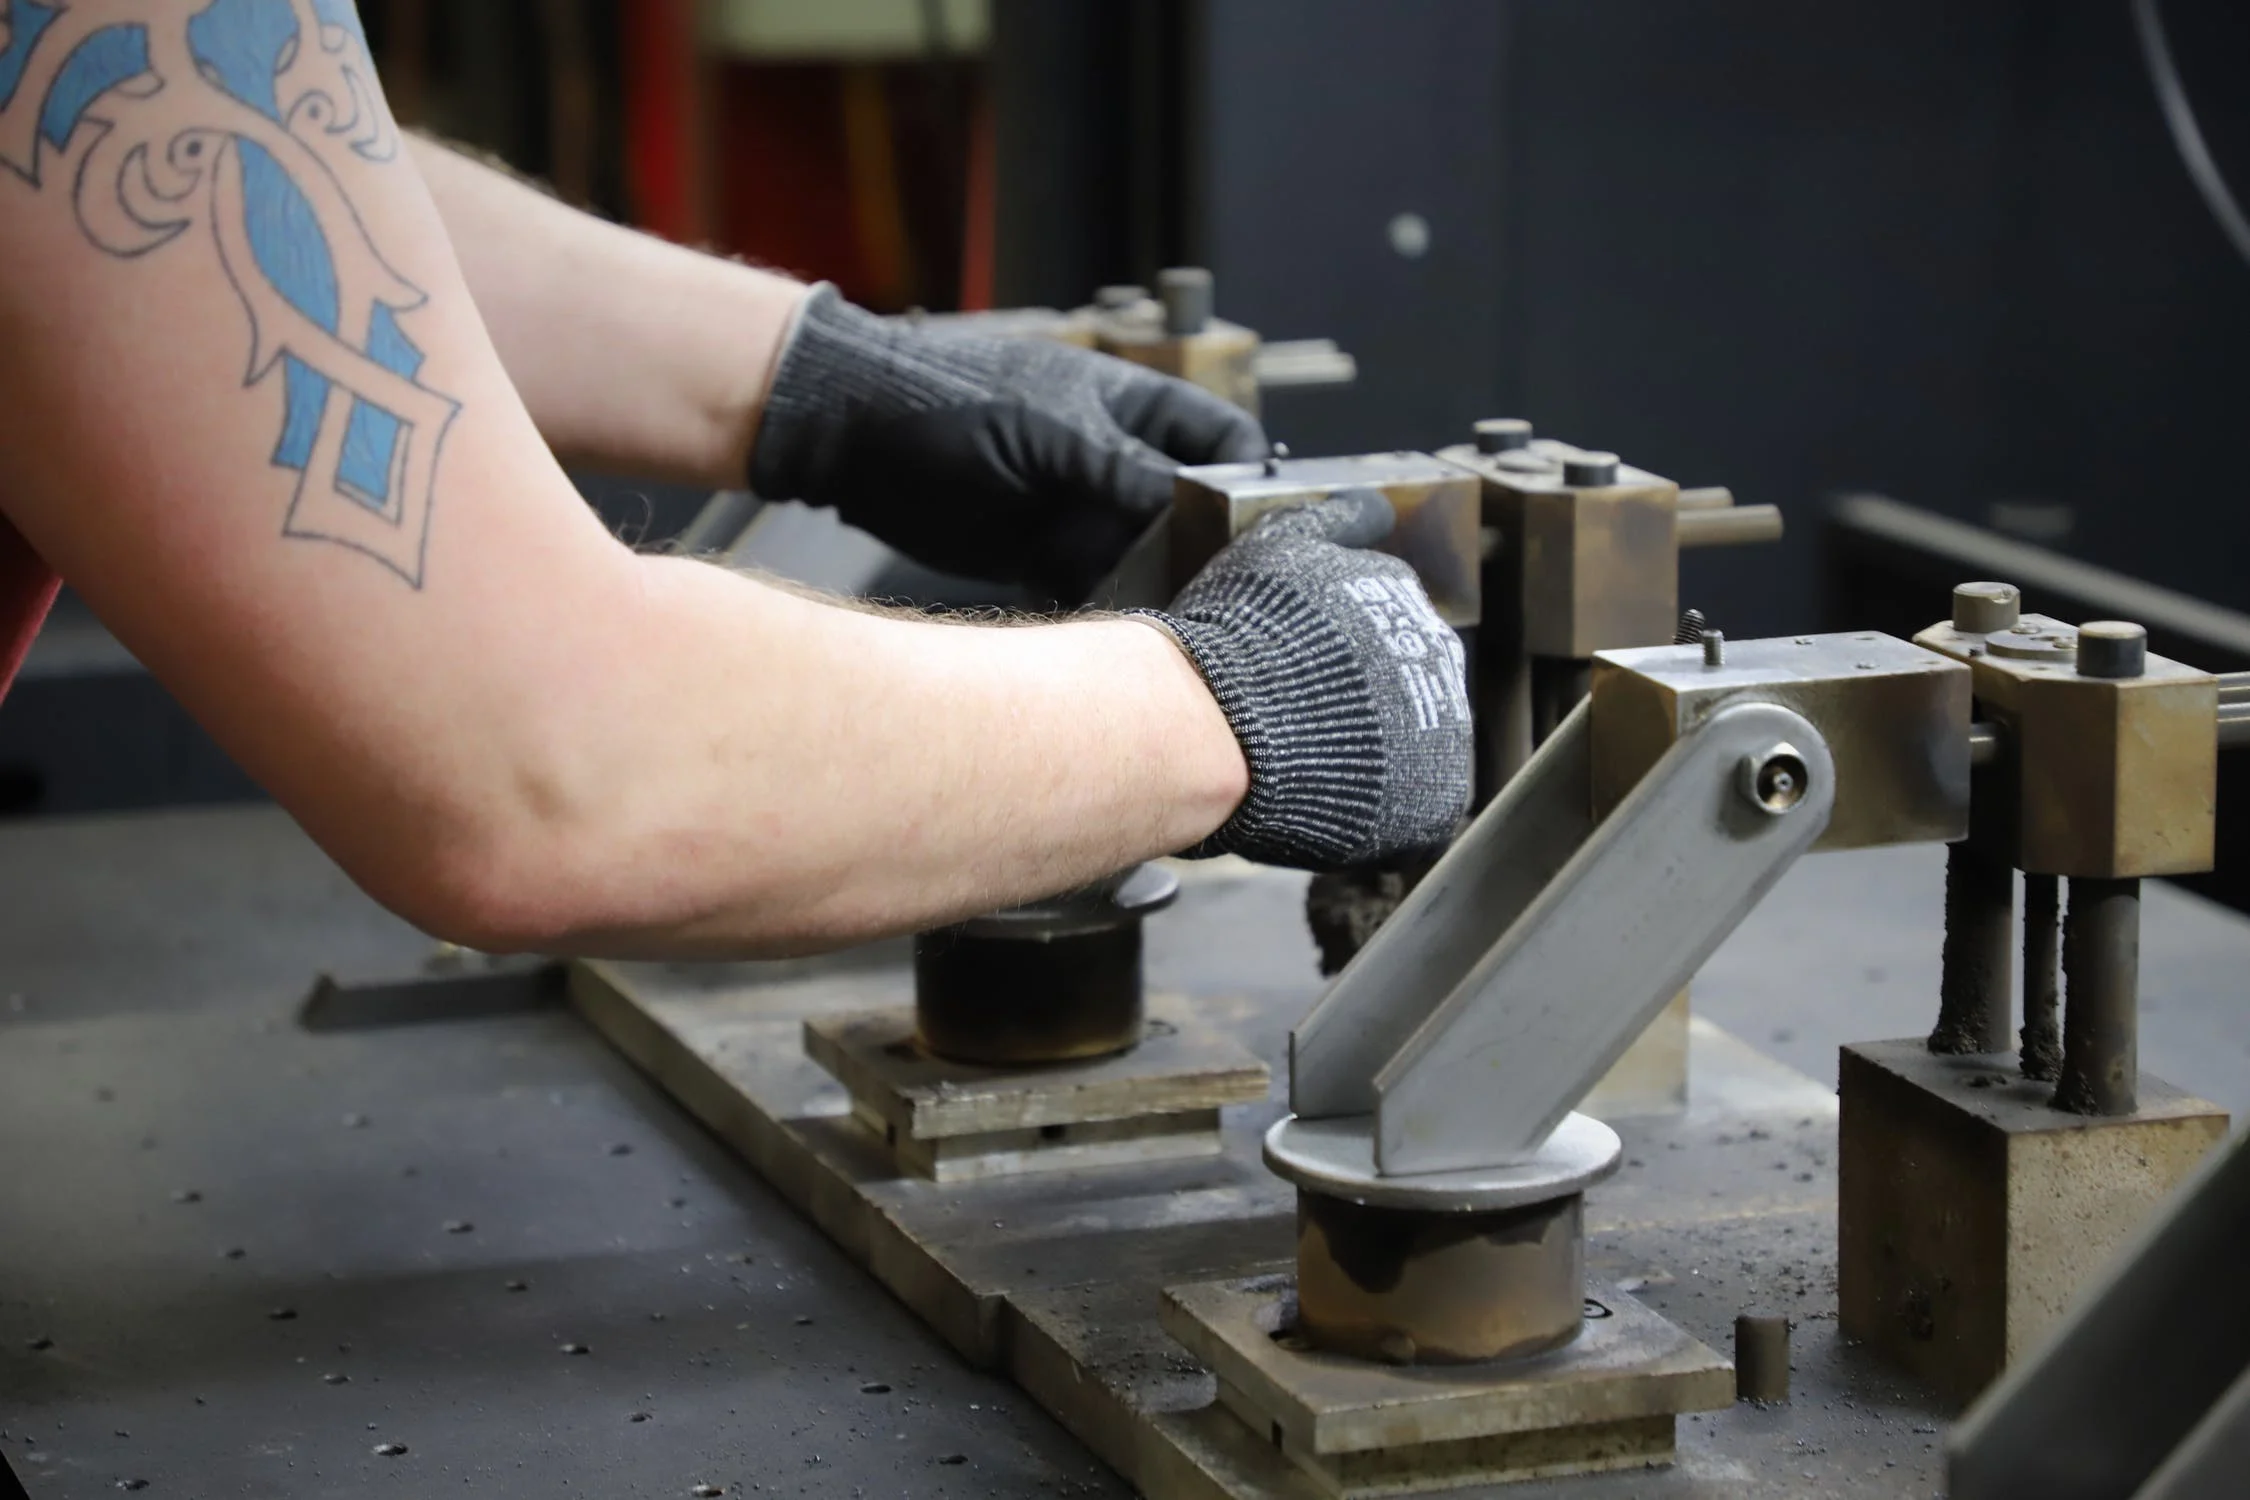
(1186, 293)
(2112, 649)
(1502, 434)
(1982, 608)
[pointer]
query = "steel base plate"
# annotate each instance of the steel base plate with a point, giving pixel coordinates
(1336, 1157)
(1607, 1400)
(954, 1121)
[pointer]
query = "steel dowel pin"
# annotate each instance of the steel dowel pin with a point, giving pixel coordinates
(2101, 957)
(1978, 959)
(1761, 1358)
(2042, 979)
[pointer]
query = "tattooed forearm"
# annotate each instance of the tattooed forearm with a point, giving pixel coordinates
(230, 117)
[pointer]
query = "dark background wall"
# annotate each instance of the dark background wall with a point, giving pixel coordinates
(1943, 251)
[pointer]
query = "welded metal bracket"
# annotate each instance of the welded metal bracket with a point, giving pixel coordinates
(1533, 953)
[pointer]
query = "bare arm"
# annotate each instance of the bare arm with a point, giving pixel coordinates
(634, 356)
(252, 414)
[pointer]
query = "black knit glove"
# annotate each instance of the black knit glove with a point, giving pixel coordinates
(1019, 460)
(1343, 685)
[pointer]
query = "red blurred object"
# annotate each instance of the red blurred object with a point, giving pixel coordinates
(784, 173)
(977, 227)
(27, 591)
(664, 155)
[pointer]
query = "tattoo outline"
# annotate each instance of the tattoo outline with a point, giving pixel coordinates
(279, 88)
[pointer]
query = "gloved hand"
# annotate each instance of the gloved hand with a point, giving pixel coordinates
(1347, 691)
(1018, 460)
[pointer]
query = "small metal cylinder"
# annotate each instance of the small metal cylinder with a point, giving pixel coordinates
(1734, 526)
(2112, 648)
(1979, 956)
(2042, 978)
(1714, 648)
(1590, 470)
(1119, 297)
(1186, 293)
(1415, 1286)
(1501, 434)
(2101, 957)
(1761, 1358)
(1054, 981)
(1981, 608)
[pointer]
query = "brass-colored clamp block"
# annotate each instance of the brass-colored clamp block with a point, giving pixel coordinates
(2112, 777)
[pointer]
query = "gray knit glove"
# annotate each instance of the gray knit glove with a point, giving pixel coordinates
(1020, 460)
(1343, 685)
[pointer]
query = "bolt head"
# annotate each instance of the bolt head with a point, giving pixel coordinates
(1590, 470)
(1774, 780)
(1502, 434)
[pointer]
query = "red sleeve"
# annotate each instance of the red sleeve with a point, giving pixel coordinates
(27, 591)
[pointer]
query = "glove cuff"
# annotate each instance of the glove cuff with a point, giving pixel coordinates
(841, 364)
(1298, 702)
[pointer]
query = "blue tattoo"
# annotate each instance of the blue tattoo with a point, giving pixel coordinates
(282, 88)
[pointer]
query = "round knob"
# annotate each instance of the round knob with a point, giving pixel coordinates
(1500, 434)
(1590, 471)
(1186, 294)
(1981, 608)
(2112, 648)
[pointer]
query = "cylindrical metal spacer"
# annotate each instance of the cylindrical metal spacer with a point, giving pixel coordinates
(2112, 648)
(1761, 1358)
(1416, 1286)
(1587, 470)
(1981, 608)
(1186, 293)
(1501, 434)
(2101, 955)
(1055, 981)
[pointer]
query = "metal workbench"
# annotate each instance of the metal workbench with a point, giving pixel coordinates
(238, 1257)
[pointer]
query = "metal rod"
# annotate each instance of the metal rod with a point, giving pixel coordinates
(1985, 743)
(1729, 526)
(2042, 977)
(1709, 497)
(2101, 955)
(2234, 723)
(1979, 957)
(1761, 1358)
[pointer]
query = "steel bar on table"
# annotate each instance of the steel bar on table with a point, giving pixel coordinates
(1973, 988)
(2042, 978)
(2101, 1005)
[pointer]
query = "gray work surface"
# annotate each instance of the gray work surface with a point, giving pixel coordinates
(161, 1109)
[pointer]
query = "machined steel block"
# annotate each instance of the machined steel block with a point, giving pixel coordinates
(1971, 1212)
(1896, 718)
(1594, 567)
(1606, 1400)
(1436, 505)
(2114, 778)
(1222, 357)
